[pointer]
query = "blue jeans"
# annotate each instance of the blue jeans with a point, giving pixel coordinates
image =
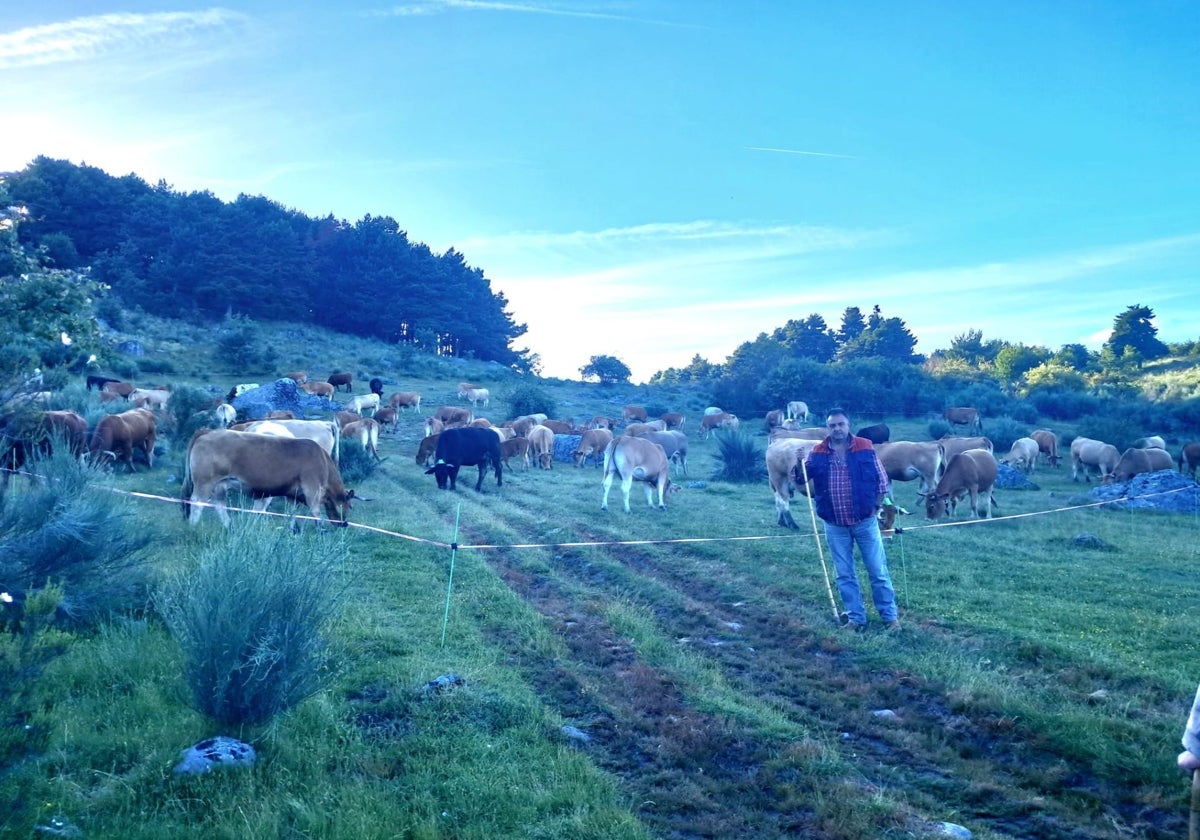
(841, 541)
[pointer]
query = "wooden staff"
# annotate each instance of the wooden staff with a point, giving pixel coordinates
(1194, 822)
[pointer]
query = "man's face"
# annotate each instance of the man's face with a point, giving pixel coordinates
(839, 428)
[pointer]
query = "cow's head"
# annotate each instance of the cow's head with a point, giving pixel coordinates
(936, 505)
(446, 473)
(337, 507)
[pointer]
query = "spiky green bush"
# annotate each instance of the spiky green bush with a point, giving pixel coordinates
(741, 460)
(250, 619)
(355, 463)
(67, 528)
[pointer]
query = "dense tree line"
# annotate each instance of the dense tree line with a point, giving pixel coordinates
(197, 257)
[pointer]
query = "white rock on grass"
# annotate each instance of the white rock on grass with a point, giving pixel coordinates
(211, 753)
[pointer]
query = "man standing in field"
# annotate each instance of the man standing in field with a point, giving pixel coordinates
(849, 487)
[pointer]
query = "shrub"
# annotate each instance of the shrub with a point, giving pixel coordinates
(1063, 405)
(1119, 432)
(66, 530)
(1003, 431)
(250, 619)
(355, 463)
(741, 461)
(938, 429)
(241, 346)
(125, 368)
(158, 365)
(528, 398)
(191, 409)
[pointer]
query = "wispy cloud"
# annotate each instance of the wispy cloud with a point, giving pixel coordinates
(87, 38)
(797, 152)
(433, 7)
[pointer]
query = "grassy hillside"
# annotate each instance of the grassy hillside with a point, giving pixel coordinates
(656, 674)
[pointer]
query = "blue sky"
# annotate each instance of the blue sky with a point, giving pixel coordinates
(651, 179)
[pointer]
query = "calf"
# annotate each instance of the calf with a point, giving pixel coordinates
(318, 389)
(1189, 458)
(720, 420)
(337, 380)
(593, 442)
(366, 432)
(515, 447)
(466, 447)
(405, 399)
(1047, 443)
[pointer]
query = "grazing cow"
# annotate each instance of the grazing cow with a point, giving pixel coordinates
(226, 415)
(364, 403)
(672, 419)
(280, 414)
(637, 459)
(265, 466)
(99, 382)
(522, 425)
(1135, 461)
(318, 389)
(1189, 458)
(326, 433)
(297, 376)
(541, 447)
(1088, 454)
(337, 380)
(1023, 455)
(405, 399)
(450, 415)
(463, 388)
(953, 445)
(344, 417)
(964, 416)
(515, 447)
(712, 409)
(388, 419)
(879, 433)
(774, 418)
(426, 449)
(559, 427)
(466, 447)
(1151, 442)
(783, 456)
(593, 442)
(905, 460)
(366, 432)
(674, 443)
(116, 386)
(797, 410)
(599, 422)
(433, 426)
(633, 413)
(475, 396)
(118, 435)
(24, 435)
(375, 386)
(724, 420)
(639, 429)
(972, 472)
(1047, 443)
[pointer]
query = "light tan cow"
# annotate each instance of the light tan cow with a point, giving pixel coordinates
(318, 389)
(722, 420)
(155, 399)
(366, 432)
(515, 447)
(782, 456)
(905, 460)
(1189, 458)
(326, 433)
(964, 416)
(405, 399)
(1047, 443)
(1022, 455)
(635, 459)
(593, 442)
(1088, 454)
(634, 413)
(797, 410)
(1151, 442)
(1135, 461)
(541, 447)
(953, 445)
(475, 396)
(363, 404)
(672, 420)
(453, 416)
(971, 472)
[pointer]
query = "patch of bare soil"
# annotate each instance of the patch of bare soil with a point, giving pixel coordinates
(689, 774)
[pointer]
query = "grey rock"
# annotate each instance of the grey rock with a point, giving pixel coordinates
(281, 395)
(59, 826)
(211, 753)
(575, 734)
(1086, 540)
(565, 446)
(1162, 490)
(697, 485)
(955, 830)
(443, 683)
(1010, 478)
(885, 714)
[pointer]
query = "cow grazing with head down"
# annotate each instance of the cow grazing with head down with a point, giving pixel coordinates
(592, 442)
(226, 415)
(451, 415)
(387, 418)
(954, 444)
(515, 447)
(1022, 455)
(637, 459)
(721, 420)
(265, 466)
(971, 472)
(24, 435)
(541, 447)
(1150, 442)
(905, 460)
(318, 389)
(672, 420)
(1088, 454)
(118, 435)
(325, 433)
(1135, 461)
(1047, 443)
(99, 382)
(405, 399)
(633, 414)
(116, 386)
(297, 376)
(366, 432)
(337, 380)
(466, 447)
(964, 416)
(375, 386)
(1189, 458)
(674, 443)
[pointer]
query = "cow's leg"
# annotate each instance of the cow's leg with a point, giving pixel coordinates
(483, 465)
(608, 480)
(626, 486)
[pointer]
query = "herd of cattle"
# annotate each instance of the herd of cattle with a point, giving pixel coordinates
(297, 459)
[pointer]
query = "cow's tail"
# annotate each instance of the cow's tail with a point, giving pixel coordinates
(336, 428)
(188, 485)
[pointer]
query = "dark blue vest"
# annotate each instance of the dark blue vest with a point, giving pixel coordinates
(864, 479)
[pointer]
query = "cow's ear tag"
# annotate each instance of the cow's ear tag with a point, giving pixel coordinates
(441, 460)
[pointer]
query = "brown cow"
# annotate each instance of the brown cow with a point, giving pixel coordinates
(452, 416)
(774, 418)
(265, 466)
(722, 420)
(426, 449)
(319, 389)
(631, 413)
(115, 386)
(405, 399)
(1087, 453)
(559, 427)
(541, 447)
(905, 460)
(515, 447)
(1135, 461)
(366, 432)
(1189, 458)
(25, 435)
(1047, 443)
(117, 435)
(280, 414)
(635, 459)
(298, 376)
(972, 472)
(388, 419)
(345, 417)
(954, 444)
(964, 416)
(672, 420)
(593, 442)
(337, 380)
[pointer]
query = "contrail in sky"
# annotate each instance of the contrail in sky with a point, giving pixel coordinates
(796, 152)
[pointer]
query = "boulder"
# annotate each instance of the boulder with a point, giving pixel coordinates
(211, 753)
(1162, 490)
(281, 395)
(1010, 478)
(565, 446)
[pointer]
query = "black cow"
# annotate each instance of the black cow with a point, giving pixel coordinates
(879, 433)
(376, 386)
(466, 446)
(99, 382)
